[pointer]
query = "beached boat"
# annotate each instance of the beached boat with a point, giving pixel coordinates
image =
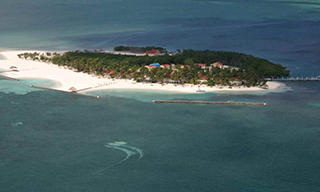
(200, 90)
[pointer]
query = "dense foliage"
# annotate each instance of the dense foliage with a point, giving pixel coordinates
(133, 49)
(251, 71)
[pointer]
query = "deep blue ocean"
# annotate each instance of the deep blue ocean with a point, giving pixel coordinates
(52, 141)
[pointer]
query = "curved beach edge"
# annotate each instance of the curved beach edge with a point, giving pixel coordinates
(67, 78)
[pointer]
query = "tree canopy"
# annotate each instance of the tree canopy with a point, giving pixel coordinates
(247, 69)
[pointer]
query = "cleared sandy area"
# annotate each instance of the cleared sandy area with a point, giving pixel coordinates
(68, 78)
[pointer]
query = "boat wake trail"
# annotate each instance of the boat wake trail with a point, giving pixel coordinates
(129, 150)
(122, 146)
(139, 151)
(16, 124)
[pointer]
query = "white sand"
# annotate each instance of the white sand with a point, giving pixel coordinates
(68, 78)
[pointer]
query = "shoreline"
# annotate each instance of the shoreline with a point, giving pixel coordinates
(66, 78)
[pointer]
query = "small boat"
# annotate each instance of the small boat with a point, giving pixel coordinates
(200, 90)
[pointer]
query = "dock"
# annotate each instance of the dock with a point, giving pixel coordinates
(209, 102)
(84, 89)
(294, 79)
(70, 92)
(9, 78)
(9, 71)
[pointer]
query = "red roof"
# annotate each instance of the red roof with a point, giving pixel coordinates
(201, 64)
(204, 77)
(217, 63)
(151, 66)
(111, 72)
(166, 65)
(153, 51)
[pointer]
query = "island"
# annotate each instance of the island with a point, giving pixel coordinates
(157, 66)
(152, 68)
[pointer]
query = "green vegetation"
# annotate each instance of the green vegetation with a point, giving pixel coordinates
(243, 69)
(133, 49)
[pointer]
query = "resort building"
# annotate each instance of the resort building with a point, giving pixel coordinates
(108, 74)
(202, 65)
(217, 64)
(183, 66)
(165, 66)
(230, 67)
(153, 52)
(152, 65)
(236, 82)
(203, 79)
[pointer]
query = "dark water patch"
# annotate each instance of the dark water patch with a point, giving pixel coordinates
(290, 41)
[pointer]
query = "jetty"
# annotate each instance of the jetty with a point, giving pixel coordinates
(9, 78)
(294, 79)
(209, 102)
(84, 89)
(70, 92)
(9, 71)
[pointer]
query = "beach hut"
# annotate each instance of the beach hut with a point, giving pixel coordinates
(72, 89)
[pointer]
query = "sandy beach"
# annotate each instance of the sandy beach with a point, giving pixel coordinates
(67, 78)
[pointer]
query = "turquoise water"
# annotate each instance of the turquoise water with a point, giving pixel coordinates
(22, 87)
(148, 96)
(51, 141)
(315, 104)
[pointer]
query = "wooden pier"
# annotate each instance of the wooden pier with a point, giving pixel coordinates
(209, 102)
(8, 71)
(70, 92)
(9, 78)
(294, 79)
(84, 89)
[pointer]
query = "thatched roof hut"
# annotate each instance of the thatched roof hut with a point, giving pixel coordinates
(73, 89)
